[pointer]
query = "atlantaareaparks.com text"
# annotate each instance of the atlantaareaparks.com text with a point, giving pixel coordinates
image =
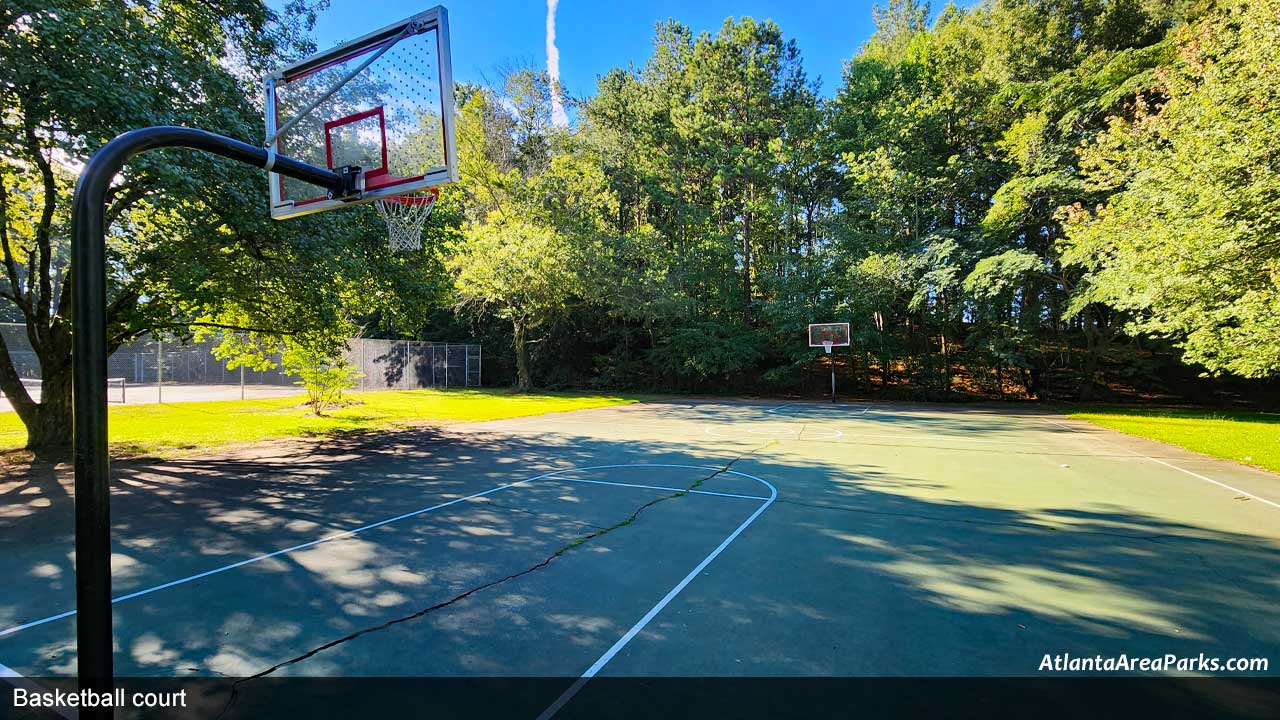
(1066, 662)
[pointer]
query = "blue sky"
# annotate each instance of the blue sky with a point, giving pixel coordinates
(593, 37)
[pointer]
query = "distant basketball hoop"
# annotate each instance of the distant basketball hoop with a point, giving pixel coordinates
(829, 335)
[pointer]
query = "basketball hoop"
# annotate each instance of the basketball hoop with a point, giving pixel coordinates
(826, 345)
(405, 215)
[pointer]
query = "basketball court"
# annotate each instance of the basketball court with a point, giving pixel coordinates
(678, 538)
(700, 538)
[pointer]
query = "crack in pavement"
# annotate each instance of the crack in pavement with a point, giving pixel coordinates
(235, 687)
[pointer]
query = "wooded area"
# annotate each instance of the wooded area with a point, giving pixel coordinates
(1019, 199)
(1025, 199)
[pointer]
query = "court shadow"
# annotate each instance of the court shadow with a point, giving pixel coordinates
(175, 518)
(856, 569)
(33, 488)
(911, 585)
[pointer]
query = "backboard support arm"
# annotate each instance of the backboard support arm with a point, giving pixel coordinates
(89, 366)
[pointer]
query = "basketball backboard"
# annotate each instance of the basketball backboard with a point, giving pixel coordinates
(382, 102)
(828, 334)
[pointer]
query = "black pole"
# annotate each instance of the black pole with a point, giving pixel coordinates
(89, 358)
(831, 359)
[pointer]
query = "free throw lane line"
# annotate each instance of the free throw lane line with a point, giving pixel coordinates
(659, 487)
(351, 533)
(609, 654)
(266, 556)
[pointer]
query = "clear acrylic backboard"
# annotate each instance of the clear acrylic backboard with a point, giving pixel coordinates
(390, 112)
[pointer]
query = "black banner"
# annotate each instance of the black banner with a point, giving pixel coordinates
(623, 698)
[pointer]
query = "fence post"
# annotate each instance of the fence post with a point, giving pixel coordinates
(159, 370)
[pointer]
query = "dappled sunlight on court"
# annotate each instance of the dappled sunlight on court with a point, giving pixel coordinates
(1096, 605)
(479, 549)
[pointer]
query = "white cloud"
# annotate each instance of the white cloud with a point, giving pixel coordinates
(558, 115)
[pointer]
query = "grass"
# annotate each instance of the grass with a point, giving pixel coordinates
(1248, 437)
(165, 428)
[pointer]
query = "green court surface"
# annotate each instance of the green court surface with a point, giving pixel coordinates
(814, 540)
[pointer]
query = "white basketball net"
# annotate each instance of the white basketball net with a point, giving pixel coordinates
(405, 215)
(826, 345)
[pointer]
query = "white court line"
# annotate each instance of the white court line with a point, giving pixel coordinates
(18, 680)
(609, 654)
(548, 421)
(350, 533)
(659, 487)
(778, 434)
(1215, 482)
(945, 438)
(258, 558)
(1175, 467)
(777, 409)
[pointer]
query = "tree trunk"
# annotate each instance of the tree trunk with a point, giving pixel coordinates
(885, 369)
(48, 422)
(946, 367)
(746, 267)
(520, 340)
(1097, 334)
(49, 425)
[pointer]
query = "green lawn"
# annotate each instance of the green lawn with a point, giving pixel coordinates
(1247, 437)
(157, 429)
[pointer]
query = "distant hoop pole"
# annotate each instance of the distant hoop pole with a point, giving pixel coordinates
(89, 372)
(831, 360)
(827, 336)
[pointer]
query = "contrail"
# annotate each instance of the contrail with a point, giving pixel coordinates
(558, 116)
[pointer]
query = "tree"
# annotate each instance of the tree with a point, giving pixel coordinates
(321, 371)
(524, 273)
(189, 242)
(77, 74)
(1190, 241)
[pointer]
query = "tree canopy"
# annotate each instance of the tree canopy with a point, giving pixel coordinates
(190, 243)
(988, 198)
(1021, 197)
(1189, 239)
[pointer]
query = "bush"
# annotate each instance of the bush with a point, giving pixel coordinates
(323, 375)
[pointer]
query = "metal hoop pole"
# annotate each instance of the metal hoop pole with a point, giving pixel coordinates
(832, 360)
(89, 372)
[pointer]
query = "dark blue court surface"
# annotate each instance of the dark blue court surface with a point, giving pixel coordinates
(710, 539)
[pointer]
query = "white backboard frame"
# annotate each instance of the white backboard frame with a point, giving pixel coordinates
(845, 325)
(436, 19)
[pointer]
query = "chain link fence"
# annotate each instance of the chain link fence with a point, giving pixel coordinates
(405, 364)
(383, 364)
